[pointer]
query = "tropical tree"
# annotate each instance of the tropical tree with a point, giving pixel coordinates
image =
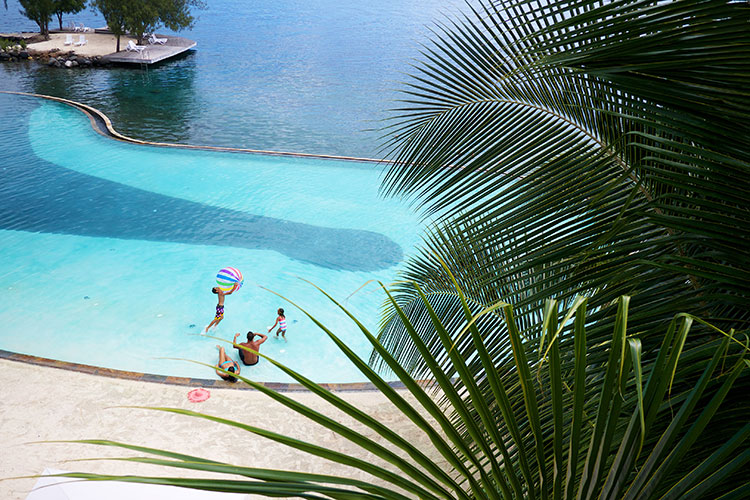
(67, 7)
(39, 11)
(177, 14)
(572, 153)
(114, 13)
(598, 155)
(584, 147)
(560, 433)
(145, 16)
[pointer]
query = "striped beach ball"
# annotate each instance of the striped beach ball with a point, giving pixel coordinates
(228, 277)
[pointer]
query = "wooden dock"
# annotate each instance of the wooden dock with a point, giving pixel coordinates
(153, 53)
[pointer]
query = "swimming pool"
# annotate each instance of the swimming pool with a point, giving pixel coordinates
(109, 249)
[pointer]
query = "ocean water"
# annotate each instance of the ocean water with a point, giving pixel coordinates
(288, 75)
(109, 250)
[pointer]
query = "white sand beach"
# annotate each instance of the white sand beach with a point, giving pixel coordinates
(44, 403)
(97, 44)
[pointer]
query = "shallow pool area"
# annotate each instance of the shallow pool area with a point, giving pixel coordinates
(110, 250)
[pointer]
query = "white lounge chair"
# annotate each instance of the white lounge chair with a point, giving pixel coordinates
(132, 47)
(71, 26)
(83, 28)
(81, 41)
(153, 40)
(68, 39)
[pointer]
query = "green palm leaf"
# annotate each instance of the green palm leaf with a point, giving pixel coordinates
(594, 148)
(603, 149)
(586, 164)
(625, 438)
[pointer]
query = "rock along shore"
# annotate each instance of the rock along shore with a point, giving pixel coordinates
(56, 53)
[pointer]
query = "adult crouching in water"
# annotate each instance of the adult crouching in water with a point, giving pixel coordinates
(228, 364)
(250, 358)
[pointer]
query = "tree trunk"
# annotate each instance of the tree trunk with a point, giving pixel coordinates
(43, 28)
(118, 44)
(59, 19)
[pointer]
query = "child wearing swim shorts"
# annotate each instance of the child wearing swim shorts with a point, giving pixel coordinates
(281, 321)
(219, 307)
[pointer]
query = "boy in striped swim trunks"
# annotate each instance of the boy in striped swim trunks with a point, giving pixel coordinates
(281, 321)
(219, 307)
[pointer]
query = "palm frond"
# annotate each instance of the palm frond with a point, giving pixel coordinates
(581, 148)
(560, 432)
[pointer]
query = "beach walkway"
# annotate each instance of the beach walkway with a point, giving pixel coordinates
(153, 53)
(104, 44)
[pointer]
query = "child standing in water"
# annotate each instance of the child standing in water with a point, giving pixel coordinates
(281, 321)
(219, 307)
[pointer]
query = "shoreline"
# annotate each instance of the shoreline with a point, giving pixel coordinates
(97, 44)
(68, 49)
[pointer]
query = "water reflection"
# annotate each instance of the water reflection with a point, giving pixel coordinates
(156, 104)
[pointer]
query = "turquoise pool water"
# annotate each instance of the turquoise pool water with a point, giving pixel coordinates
(109, 250)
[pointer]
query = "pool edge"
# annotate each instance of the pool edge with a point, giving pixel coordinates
(98, 118)
(101, 124)
(183, 381)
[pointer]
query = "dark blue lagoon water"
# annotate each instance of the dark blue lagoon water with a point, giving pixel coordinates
(302, 76)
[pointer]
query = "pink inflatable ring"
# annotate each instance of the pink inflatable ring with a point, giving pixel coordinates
(198, 395)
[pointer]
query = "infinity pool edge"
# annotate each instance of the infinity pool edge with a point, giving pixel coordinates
(98, 118)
